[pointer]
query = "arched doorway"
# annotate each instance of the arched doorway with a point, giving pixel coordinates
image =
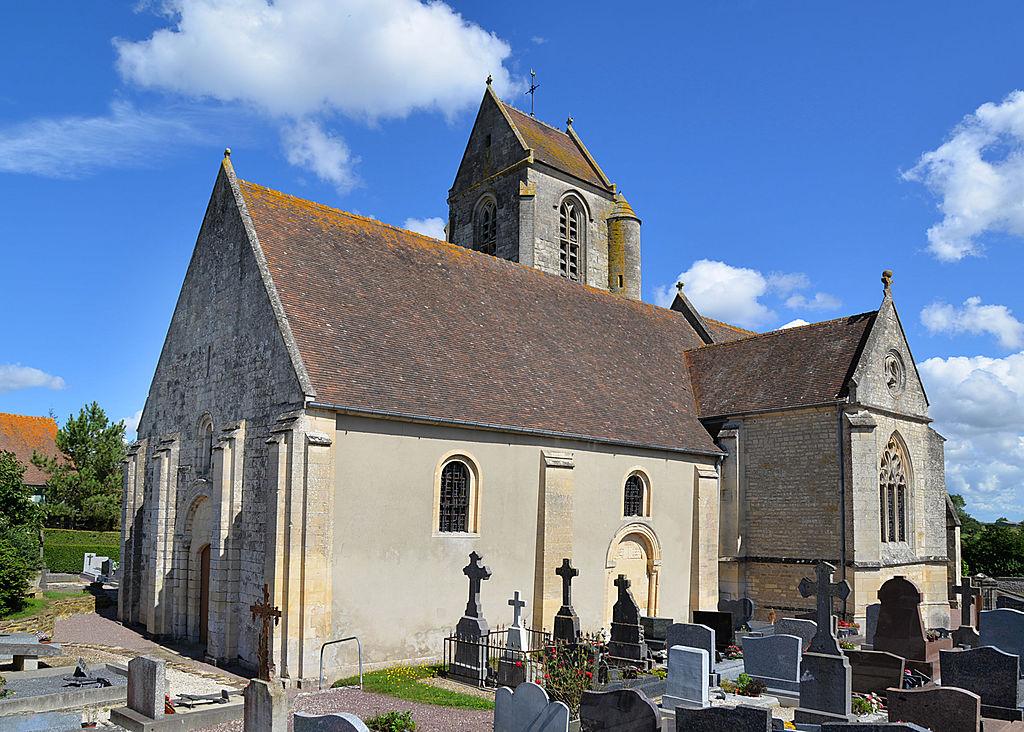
(195, 600)
(204, 594)
(636, 553)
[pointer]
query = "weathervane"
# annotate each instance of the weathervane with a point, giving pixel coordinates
(532, 91)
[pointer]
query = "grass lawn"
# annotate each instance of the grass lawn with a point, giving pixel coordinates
(404, 682)
(36, 605)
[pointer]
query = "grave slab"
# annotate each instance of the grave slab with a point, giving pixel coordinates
(935, 707)
(991, 674)
(804, 629)
(724, 719)
(1004, 629)
(626, 710)
(775, 661)
(825, 689)
(265, 707)
(687, 681)
(875, 671)
(721, 623)
(337, 722)
(528, 709)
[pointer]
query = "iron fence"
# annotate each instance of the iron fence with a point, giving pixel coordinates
(490, 661)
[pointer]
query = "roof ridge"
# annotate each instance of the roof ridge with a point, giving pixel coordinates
(534, 119)
(449, 246)
(779, 331)
(730, 326)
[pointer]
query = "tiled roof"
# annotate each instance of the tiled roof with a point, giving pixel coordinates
(799, 366)
(392, 322)
(723, 332)
(24, 435)
(554, 147)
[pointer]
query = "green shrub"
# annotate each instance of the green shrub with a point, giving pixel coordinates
(14, 576)
(392, 722)
(64, 549)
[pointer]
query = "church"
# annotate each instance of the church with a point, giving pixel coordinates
(343, 410)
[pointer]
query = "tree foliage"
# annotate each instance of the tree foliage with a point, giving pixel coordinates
(20, 521)
(84, 484)
(996, 550)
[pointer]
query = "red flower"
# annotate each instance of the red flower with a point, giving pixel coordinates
(590, 675)
(519, 664)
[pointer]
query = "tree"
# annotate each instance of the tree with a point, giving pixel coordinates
(93, 448)
(20, 521)
(996, 550)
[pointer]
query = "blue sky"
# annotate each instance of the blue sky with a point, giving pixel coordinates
(780, 155)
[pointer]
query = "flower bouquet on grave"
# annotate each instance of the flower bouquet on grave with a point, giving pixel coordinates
(733, 652)
(862, 704)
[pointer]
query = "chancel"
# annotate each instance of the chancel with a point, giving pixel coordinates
(343, 410)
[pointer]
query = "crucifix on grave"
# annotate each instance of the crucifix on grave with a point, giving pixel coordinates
(516, 640)
(470, 661)
(567, 623)
(512, 664)
(966, 634)
(269, 617)
(627, 636)
(476, 572)
(824, 589)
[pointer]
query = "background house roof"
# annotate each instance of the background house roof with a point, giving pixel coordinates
(23, 435)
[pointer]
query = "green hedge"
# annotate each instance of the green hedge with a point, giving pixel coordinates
(64, 549)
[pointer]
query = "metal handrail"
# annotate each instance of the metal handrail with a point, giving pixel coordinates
(359, 649)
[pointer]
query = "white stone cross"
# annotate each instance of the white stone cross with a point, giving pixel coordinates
(517, 609)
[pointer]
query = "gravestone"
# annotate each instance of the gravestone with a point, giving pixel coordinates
(265, 707)
(742, 610)
(775, 661)
(470, 661)
(873, 727)
(721, 623)
(824, 589)
(623, 710)
(871, 622)
(804, 629)
(567, 623)
(991, 674)
(269, 616)
(687, 681)
(511, 665)
(936, 708)
(627, 636)
(692, 635)
(528, 709)
(875, 671)
(724, 719)
(1004, 629)
(654, 631)
(900, 629)
(1006, 601)
(966, 634)
(337, 722)
(147, 685)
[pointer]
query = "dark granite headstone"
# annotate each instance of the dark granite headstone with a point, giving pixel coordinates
(936, 708)
(724, 719)
(625, 710)
(742, 610)
(825, 689)
(655, 630)
(989, 673)
(1012, 603)
(721, 623)
(470, 661)
(567, 622)
(774, 661)
(800, 627)
(875, 671)
(900, 629)
(871, 622)
(627, 636)
(873, 727)
(1004, 629)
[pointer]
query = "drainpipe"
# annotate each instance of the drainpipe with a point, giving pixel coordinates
(842, 496)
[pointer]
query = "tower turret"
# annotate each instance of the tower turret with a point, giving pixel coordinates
(624, 249)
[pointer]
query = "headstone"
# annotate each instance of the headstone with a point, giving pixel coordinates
(511, 665)
(470, 661)
(966, 634)
(742, 611)
(567, 623)
(724, 719)
(655, 630)
(824, 589)
(804, 629)
(875, 671)
(826, 688)
(721, 623)
(873, 727)
(528, 709)
(687, 681)
(936, 708)
(627, 636)
(1004, 629)
(991, 674)
(1006, 601)
(871, 622)
(900, 629)
(623, 710)
(265, 707)
(147, 685)
(691, 635)
(775, 661)
(337, 722)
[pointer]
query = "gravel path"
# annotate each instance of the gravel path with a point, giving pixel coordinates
(429, 718)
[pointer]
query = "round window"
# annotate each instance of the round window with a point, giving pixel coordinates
(895, 373)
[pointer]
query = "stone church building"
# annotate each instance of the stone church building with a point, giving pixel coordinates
(344, 410)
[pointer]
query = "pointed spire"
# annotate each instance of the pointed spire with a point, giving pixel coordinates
(887, 282)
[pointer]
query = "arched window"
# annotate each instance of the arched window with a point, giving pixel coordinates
(892, 492)
(204, 458)
(486, 224)
(633, 502)
(456, 486)
(570, 238)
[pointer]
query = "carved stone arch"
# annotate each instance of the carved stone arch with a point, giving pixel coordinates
(573, 229)
(475, 491)
(647, 498)
(635, 551)
(203, 460)
(896, 491)
(485, 223)
(579, 199)
(196, 534)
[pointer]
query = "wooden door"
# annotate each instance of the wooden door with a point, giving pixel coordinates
(204, 594)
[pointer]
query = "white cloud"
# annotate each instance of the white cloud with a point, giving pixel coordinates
(68, 147)
(978, 405)
(794, 324)
(978, 175)
(295, 58)
(432, 226)
(820, 301)
(539, 40)
(975, 318)
(307, 145)
(131, 426)
(14, 376)
(734, 294)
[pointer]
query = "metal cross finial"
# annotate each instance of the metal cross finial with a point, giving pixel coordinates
(679, 286)
(887, 282)
(566, 571)
(532, 91)
(967, 592)
(227, 152)
(824, 589)
(476, 572)
(489, 79)
(568, 121)
(517, 609)
(269, 616)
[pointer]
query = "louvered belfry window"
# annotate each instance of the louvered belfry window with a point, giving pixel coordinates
(892, 491)
(633, 502)
(570, 224)
(455, 487)
(487, 228)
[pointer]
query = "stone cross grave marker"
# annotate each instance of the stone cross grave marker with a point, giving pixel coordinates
(470, 653)
(991, 674)
(824, 589)
(516, 640)
(269, 617)
(627, 637)
(476, 572)
(512, 664)
(567, 623)
(966, 634)
(528, 709)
